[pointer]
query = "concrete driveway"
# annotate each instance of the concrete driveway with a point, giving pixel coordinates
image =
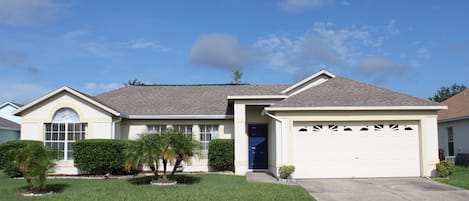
(382, 189)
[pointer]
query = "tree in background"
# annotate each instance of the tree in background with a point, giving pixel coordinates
(134, 82)
(447, 92)
(237, 75)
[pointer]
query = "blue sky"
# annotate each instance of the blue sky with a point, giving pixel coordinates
(414, 47)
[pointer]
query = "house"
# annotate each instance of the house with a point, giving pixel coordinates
(453, 125)
(9, 124)
(327, 126)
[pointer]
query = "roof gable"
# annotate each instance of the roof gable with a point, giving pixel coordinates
(340, 92)
(11, 104)
(78, 94)
(458, 106)
(311, 81)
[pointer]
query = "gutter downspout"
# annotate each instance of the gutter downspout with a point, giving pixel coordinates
(113, 127)
(264, 112)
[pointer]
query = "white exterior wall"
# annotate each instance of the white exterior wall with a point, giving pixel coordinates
(33, 119)
(240, 139)
(130, 129)
(427, 121)
(460, 135)
(6, 113)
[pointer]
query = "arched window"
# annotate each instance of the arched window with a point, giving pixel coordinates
(64, 130)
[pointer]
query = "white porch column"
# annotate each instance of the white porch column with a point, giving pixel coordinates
(240, 139)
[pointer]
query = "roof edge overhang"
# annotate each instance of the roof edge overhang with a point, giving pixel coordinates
(256, 97)
(453, 119)
(10, 129)
(179, 116)
(298, 84)
(350, 108)
(69, 90)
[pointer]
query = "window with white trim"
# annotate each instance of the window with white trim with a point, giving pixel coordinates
(158, 129)
(64, 130)
(207, 133)
(186, 129)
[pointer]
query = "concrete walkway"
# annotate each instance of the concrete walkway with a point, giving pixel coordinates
(262, 177)
(382, 189)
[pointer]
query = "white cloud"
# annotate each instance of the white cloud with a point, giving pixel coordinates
(95, 88)
(221, 51)
(72, 35)
(142, 44)
(391, 27)
(27, 12)
(100, 50)
(21, 92)
(17, 60)
(423, 53)
(293, 5)
(346, 3)
(381, 68)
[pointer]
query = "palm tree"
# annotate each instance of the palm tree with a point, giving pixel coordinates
(33, 161)
(184, 148)
(167, 153)
(146, 150)
(237, 75)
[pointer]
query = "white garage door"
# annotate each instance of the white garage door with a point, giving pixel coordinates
(356, 149)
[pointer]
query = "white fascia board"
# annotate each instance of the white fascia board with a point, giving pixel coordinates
(453, 119)
(179, 116)
(9, 103)
(356, 108)
(322, 72)
(67, 89)
(250, 97)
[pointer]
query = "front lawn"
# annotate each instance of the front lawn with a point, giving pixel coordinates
(459, 178)
(196, 187)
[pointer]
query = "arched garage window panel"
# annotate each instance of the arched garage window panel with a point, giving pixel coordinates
(64, 130)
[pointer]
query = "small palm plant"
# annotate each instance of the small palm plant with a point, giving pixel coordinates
(184, 148)
(146, 150)
(33, 161)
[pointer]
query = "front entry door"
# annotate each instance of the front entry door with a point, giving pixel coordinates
(257, 146)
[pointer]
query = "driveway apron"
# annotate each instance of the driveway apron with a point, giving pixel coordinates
(382, 189)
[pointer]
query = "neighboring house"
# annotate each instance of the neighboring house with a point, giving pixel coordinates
(9, 124)
(327, 126)
(453, 125)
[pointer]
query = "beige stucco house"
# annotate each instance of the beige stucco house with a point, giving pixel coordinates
(327, 126)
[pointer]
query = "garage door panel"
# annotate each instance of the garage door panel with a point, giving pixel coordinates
(353, 149)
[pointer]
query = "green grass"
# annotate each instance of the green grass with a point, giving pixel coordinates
(459, 178)
(197, 187)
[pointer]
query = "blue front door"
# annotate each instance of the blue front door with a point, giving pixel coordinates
(257, 146)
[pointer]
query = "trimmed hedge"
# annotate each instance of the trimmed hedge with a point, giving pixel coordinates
(5, 155)
(100, 156)
(221, 154)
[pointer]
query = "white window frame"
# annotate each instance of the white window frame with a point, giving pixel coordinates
(156, 128)
(207, 133)
(185, 128)
(66, 141)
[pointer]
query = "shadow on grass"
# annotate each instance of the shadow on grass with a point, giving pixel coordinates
(181, 179)
(57, 188)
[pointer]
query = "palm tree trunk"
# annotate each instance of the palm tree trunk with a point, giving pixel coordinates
(165, 162)
(176, 165)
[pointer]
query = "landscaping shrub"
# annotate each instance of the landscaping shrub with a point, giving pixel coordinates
(445, 168)
(6, 150)
(221, 154)
(285, 171)
(100, 156)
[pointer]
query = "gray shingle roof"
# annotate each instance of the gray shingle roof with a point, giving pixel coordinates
(181, 99)
(8, 125)
(340, 91)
